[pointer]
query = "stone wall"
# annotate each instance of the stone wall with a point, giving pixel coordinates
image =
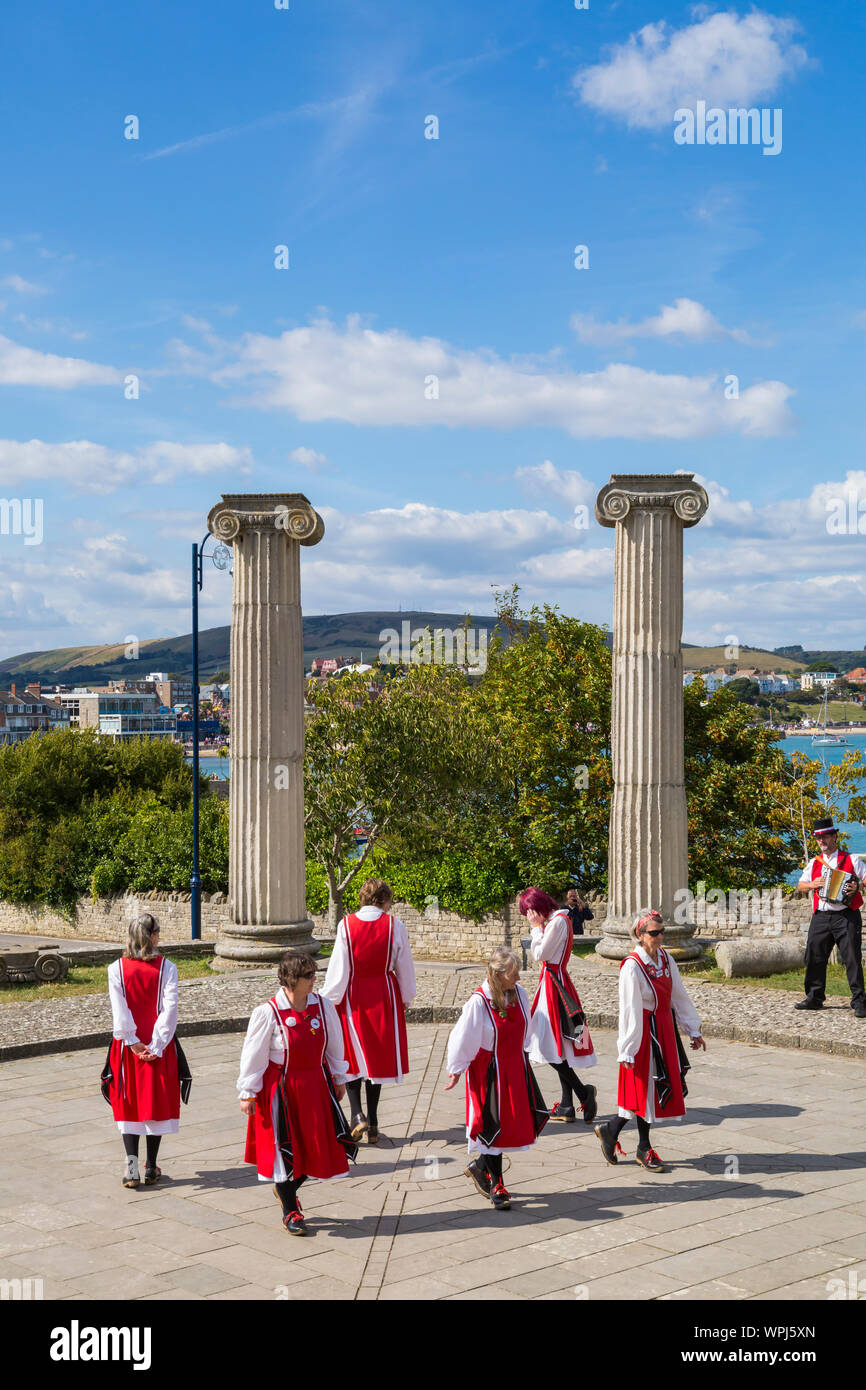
(106, 919)
(434, 934)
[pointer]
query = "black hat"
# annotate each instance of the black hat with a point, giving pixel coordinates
(823, 826)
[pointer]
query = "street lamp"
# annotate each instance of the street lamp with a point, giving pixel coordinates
(222, 559)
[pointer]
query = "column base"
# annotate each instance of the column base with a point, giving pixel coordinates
(618, 942)
(243, 945)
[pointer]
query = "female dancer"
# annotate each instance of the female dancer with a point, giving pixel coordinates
(504, 1107)
(561, 1037)
(371, 979)
(292, 1080)
(144, 1082)
(652, 1060)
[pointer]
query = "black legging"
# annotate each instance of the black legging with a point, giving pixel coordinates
(493, 1165)
(570, 1083)
(373, 1091)
(643, 1131)
(288, 1194)
(130, 1145)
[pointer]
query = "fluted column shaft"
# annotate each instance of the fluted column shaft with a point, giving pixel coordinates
(648, 840)
(266, 794)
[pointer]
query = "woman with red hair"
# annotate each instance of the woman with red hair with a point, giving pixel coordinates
(560, 1037)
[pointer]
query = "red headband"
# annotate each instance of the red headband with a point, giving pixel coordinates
(650, 917)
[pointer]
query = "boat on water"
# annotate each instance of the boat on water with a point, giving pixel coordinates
(824, 738)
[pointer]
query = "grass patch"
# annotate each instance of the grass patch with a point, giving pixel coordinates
(92, 979)
(582, 947)
(792, 980)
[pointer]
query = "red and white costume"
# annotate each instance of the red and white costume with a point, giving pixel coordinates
(551, 944)
(504, 1107)
(371, 979)
(650, 994)
(290, 1064)
(145, 1096)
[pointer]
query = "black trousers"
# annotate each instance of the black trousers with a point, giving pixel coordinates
(826, 930)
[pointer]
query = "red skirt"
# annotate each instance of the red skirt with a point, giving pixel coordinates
(299, 1118)
(516, 1120)
(379, 1020)
(143, 1091)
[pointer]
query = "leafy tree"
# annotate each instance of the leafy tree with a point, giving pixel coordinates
(392, 760)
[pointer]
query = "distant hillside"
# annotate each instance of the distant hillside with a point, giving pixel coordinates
(354, 636)
(699, 658)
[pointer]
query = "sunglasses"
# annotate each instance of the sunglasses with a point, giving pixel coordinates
(660, 932)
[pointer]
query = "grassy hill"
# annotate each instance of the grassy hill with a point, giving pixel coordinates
(354, 636)
(700, 658)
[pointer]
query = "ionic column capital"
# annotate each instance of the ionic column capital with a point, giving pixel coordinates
(630, 492)
(290, 512)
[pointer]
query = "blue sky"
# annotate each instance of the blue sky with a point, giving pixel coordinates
(410, 256)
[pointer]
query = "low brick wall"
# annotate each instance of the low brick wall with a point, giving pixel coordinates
(434, 934)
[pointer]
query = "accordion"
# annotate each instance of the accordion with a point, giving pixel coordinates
(834, 881)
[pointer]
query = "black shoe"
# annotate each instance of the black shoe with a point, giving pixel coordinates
(480, 1177)
(359, 1125)
(295, 1224)
(372, 1134)
(590, 1105)
(563, 1112)
(609, 1144)
(649, 1159)
(859, 1010)
(152, 1176)
(501, 1197)
(808, 1004)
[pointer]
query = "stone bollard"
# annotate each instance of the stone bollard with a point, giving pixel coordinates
(742, 956)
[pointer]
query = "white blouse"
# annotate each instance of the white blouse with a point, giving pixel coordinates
(337, 975)
(474, 1030)
(166, 1022)
(635, 995)
(548, 942)
(264, 1043)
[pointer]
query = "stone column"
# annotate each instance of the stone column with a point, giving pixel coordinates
(268, 912)
(648, 845)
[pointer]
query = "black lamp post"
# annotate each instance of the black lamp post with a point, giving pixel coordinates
(222, 559)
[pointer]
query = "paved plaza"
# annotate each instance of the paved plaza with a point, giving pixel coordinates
(766, 1197)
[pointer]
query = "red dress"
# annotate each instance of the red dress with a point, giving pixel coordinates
(504, 1107)
(559, 999)
(371, 1010)
(296, 1108)
(141, 1092)
(660, 1046)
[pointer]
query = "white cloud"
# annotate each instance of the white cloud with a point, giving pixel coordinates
(365, 377)
(567, 485)
(309, 459)
(93, 468)
(724, 59)
(685, 318)
(24, 366)
(20, 286)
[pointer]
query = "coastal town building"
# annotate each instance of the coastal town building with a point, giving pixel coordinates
(124, 714)
(27, 712)
(810, 679)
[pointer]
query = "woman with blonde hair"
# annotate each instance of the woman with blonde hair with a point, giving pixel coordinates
(371, 980)
(504, 1107)
(146, 1073)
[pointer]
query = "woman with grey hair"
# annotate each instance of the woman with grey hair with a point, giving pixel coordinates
(653, 1001)
(146, 1072)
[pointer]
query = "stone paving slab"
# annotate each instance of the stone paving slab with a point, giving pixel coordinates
(752, 1208)
(763, 1017)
